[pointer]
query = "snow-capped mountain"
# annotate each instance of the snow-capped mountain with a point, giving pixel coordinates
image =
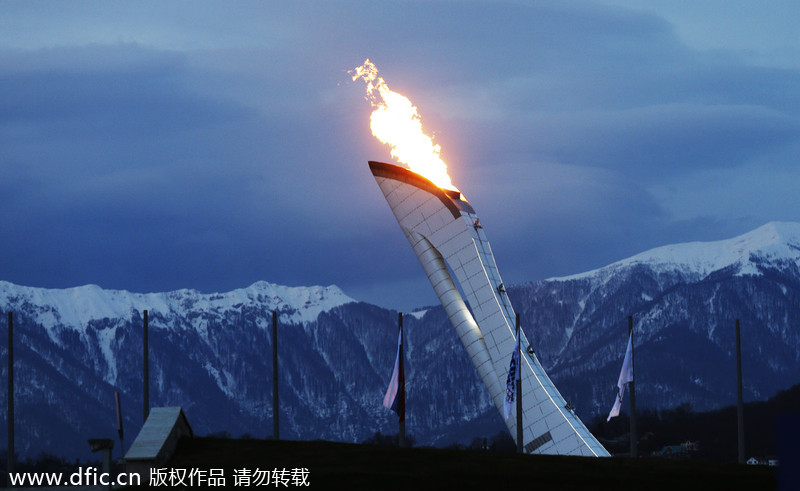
(684, 300)
(776, 244)
(93, 314)
(212, 353)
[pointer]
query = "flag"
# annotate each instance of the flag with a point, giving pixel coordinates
(395, 398)
(625, 376)
(513, 376)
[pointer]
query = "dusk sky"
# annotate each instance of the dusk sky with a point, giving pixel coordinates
(153, 146)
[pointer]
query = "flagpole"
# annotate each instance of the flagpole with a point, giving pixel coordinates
(401, 434)
(145, 369)
(120, 430)
(739, 399)
(519, 391)
(631, 385)
(276, 435)
(10, 448)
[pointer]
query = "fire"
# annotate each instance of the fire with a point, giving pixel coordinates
(396, 122)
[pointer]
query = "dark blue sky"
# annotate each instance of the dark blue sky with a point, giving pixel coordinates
(152, 146)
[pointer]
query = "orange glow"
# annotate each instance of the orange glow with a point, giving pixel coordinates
(396, 122)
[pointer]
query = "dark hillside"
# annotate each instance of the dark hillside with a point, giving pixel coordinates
(715, 432)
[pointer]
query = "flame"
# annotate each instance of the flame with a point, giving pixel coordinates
(396, 122)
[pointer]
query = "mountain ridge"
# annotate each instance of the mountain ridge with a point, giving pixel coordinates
(80, 305)
(211, 353)
(777, 240)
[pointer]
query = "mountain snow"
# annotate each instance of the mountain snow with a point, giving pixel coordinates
(774, 243)
(684, 300)
(77, 307)
(80, 307)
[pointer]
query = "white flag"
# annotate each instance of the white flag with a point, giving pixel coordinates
(513, 376)
(625, 376)
(395, 398)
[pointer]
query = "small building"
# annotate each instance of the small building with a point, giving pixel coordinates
(770, 461)
(156, 442)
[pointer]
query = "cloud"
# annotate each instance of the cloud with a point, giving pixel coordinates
(159, 146)
(654, 140)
